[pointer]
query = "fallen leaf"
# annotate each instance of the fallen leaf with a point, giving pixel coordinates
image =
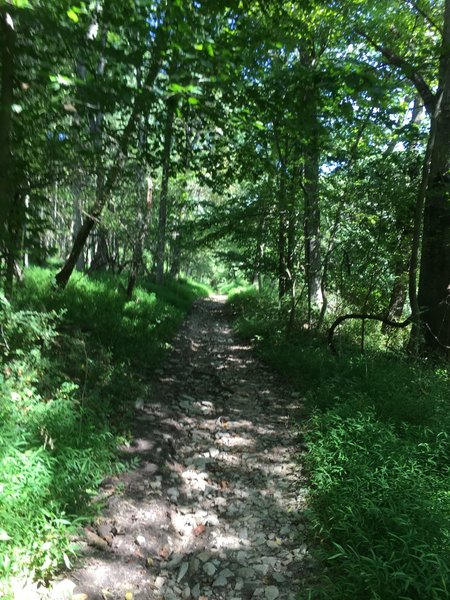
(199, 529)
(224, 485)
(80, 597)
(129, 596)
(150, 561)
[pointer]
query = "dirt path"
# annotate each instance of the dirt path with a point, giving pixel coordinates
(214, 509)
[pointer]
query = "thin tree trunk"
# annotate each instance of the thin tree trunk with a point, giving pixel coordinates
(162, 222)
(77, 222)
(7, 193)
(282, 282)
(143, 225)
(312, 227)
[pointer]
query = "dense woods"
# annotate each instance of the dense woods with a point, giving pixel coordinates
(301, 143)
(296, 152)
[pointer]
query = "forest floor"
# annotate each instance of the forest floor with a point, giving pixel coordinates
(215, 507)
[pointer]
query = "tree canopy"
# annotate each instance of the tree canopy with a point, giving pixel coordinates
(303, 145)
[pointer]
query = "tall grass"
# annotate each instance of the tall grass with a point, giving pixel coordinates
(72, 364)
(378, 439)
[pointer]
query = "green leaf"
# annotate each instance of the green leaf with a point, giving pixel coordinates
(198, 46)
(210, 49)
(193, 100)
(72, 15)
(21, 3)
(177, 88)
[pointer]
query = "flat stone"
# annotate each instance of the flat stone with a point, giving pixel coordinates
(63, 590)
(271, 592)
(209, 569)
(226, 573)
(220, 581)
(204, 556)
(246, 572)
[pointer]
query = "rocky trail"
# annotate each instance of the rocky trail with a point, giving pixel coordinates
(214, 509)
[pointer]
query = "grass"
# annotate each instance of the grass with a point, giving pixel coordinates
(72, 364)
(378, 460)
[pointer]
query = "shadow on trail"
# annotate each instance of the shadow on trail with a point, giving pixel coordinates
(214, 509)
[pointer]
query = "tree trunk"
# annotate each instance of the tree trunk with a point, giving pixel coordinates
(162, 222)
(434, 280)
(144, 217)
(312, 225)
(77, 222)
(7, 183)
(398, 294)
(282, 275)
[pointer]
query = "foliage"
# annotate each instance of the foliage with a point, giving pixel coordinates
(67, 390)
(378, 456)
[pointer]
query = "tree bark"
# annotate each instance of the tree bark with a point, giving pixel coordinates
(434, 280)
(311, 223)
(313, 265)
(282, 209)
(7, 179)
(433, 296)
(162, 222)
(144, 217)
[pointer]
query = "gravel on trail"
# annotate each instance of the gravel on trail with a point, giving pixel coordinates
(216, 506)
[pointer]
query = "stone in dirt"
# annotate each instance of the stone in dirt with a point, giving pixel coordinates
(209, 569)
(234, 477)
(271, 592)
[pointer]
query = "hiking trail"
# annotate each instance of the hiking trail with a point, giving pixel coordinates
(214, 509)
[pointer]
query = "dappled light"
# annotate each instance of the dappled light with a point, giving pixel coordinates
(221, 516)
(288, 163)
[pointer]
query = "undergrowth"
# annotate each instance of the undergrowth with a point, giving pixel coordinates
(378, 459)
(72, 365)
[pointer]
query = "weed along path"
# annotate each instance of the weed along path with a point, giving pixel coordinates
(214, 508)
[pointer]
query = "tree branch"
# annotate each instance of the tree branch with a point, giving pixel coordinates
(363, 317)
(425, 15)
(429, 99)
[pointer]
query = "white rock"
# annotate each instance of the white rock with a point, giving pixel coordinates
(159, 582)
(140, 540)
(63, 590)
